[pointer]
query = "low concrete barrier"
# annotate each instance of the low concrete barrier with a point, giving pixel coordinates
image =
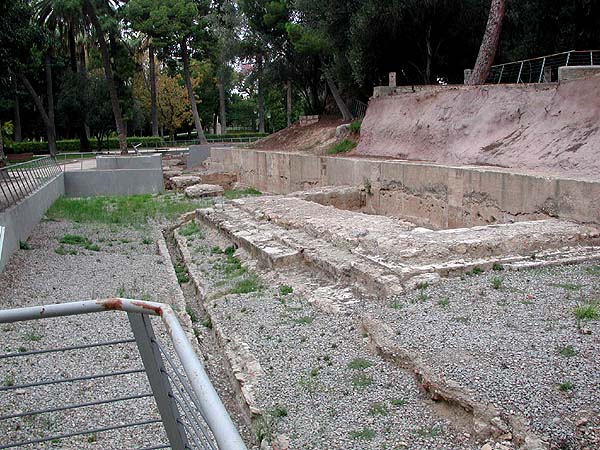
(111, 162)
(89, 183)
(197, 155)
(426, 194)
(19, 220)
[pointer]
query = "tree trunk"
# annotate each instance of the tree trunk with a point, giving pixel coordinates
(344, 110)
(429, 55)
(222, 115)
(2, 155)
(110, 81)
(50, 93)
(17, 112)
(190, 90)
(489, 44)
(260, 96)
(289, 102)
(84, 143)
(45, 118)
(153, 110)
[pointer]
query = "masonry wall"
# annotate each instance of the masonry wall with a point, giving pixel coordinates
(434, 195)
(89, 183)
(20, 219)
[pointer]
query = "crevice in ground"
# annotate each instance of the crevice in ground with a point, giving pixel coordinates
(211, 342)
(455, 402)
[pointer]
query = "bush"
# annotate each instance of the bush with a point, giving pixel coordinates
(355, 126)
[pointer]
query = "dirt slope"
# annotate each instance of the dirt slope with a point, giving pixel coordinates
(315, 138)
(553, 129)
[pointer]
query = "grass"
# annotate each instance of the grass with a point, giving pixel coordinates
(429, 432)
(24, 245)
(587, 312)
(79, 241)
(497, 282)
(361, 381)
(566, 386)
(569, 286)
(279, 411)
(397, 402)
(422, 295)
(355, 126)
(190, 229)
(378, 409)
(304, 320)
(567, 352)
(475, 271)
(190, 312)
(444, 303)
(207, 322)
(342, 147)
(245, 286)
(33, 336)
(284, 290)
(181, 272)
(365, 434)
(497, 267)
(125, 210)
(232, 194)
(593, 270)
(359, 364)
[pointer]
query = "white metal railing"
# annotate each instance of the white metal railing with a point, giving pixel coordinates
(190, 410)
(542, 69)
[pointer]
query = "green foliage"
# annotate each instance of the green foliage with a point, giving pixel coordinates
(190, 312)
(567, 351)
(361, 381)
(365, 434)
(284, 290)
(342, 147)
(355, 126)
(304, 320)
(24, 245)
(566, 386)
(246, 285)
(125, 210)
(587, 312)
(378, 409)
(359, 364)
(397, 402)
(233, 194)
(189, 229)
(279, 411)
(593, 270)
(181, 273)
(497, 282)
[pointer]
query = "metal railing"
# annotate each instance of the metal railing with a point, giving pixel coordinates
(17, 181)
(542, 69)
(192, 415)
(359, 109)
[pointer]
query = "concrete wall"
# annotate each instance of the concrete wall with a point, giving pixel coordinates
(567, 73)
(129, 162)
(19, 220)
(197, 155)
(427, 194)
(88, 183)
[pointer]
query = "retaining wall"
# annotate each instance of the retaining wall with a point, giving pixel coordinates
(153, 161)
(89, 183)
(435, 195)
(19, 220)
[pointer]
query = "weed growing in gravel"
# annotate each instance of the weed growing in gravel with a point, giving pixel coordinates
(429, 432)
(263, 427)
(475, 271)
(232, 194)
(397, 402)
(245, 286)
(359, 364)
(422, 296)
(231, 267)
(463, 320)
(207, 322)
(8, 380)
(190, 312)
(279, 411)
(79, 241)
(587, 312)
(61, 250)
(566, 386)
(569, 286)
(498, 267)
(24, 245)
(309, 383)
(593, 270)
(216, 250)
(284, 290)
(147, 241)
(422, 285)
(314, 372)
(22, 349)
(229, 251)
(397, 304)
(567, 351)
(366, 434)
(378, 409)
(191, 229)
(127, 210)
(444, 303)
(92, 438)
(362, 381)
(304, 320)
(33, 336)
(497, 282)
(181, 273)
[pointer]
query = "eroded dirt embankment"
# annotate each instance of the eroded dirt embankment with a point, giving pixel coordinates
(545, 128)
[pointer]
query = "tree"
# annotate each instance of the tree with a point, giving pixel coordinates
(489, 44)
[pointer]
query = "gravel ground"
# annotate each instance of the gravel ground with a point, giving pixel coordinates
(319, 385)
(513, 339)
(127, 264)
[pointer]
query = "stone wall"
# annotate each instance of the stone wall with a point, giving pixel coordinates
(435, 195)
(89, 183)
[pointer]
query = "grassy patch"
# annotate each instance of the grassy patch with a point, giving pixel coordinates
(232, 194)
(593, 270)
(33, 336)
(279, 411)
(497, 282)
(126, 210)
(207, 322)
(190, 312)
(190, 229)
(429, 432)
(378, 409)
(181, 272)
(569, 286)
(475, 271)
(284, 290)
(61, 250)
(359, 364)
(362, 381)
(245, 286)
(587, 312)
(498, 267)
(566, 386)
(342, 147)
(567, 351)
(24, 245)
(365, 434)
(397, 402)
(444, 303)
(79, 241)
(354, 127)
(304, 320)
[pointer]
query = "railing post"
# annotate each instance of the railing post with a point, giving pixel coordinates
(520, 71)
(161, 388)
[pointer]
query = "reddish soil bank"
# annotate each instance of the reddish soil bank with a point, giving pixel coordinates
(544, 128)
